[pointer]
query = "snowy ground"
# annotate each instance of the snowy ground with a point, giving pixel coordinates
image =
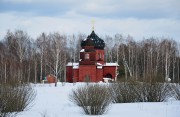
(53, 102)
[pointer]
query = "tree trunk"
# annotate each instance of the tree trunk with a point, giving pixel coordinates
(5, 75)
(35, 72)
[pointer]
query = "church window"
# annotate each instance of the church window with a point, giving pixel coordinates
(86, 56)
(99, 55)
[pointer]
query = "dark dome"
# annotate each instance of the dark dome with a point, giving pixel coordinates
(97, 42)
(87, 42)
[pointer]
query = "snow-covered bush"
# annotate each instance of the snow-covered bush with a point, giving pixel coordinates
(94, 99)
(14, 98)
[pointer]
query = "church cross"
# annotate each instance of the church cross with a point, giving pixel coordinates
(93, 24)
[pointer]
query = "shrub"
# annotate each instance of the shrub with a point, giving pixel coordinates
(94, 99)
(140, 92)
(176, 91)
(155, 92)
(14, 98)
(125, 92)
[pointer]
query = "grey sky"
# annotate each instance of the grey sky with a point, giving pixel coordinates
(138, 18)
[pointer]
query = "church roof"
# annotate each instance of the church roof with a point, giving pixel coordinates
(99, 64)
(93, 40)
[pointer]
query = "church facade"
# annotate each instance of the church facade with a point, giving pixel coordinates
(91, 66)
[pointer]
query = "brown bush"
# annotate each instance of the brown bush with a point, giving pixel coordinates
(140, 92)
(175, 88)
(125, 92)
(14, 98)
(155, 92)
(94, 99)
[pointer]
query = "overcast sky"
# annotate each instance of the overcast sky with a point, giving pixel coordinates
(138, 18)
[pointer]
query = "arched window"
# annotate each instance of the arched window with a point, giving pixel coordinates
(99, 55)
(86, 56)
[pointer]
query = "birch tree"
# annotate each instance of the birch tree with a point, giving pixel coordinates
(57, 47)
(42, 46)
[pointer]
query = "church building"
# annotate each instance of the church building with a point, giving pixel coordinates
(92, 66)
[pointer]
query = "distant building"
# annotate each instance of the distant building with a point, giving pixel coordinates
(51, 78)
(92, 66)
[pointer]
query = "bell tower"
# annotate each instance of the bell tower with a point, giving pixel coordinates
(92, 51)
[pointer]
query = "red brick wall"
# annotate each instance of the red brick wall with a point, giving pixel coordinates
(76, 75)
(91, 56)
(109, 70)
(87, 62)
(88, 47)
(69, 73)
(99, 75)
(96, 75)
(87, 70)
(102, 56)
(82, 56)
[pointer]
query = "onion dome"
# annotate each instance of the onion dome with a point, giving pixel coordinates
(93, 40)
(87, 42)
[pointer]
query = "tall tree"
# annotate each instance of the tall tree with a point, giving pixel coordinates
(42, 46)
(58, 54)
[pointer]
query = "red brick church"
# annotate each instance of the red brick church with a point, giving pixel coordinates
(92, 66)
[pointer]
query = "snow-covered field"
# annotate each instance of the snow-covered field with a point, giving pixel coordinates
(53, 102)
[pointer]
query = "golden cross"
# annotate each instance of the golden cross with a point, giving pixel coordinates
(93, 24)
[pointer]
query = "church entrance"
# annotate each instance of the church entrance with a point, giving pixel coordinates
(108, 76)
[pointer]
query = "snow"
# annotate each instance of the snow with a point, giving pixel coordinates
(82, 50)
(99, 67)
(99, 64)
(70, 64)
(168, 79)
(106, 80)
(53, 102)
(111, 64)
(76, 67)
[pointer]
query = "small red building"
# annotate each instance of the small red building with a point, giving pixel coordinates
(51, 78)
(92, 66)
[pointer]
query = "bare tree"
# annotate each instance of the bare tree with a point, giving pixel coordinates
(108, 49)
(17, 44)
(58, 54)
(41, 44)
(149, 59)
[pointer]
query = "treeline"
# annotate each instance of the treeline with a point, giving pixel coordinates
(153, 59)
(30, 60)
